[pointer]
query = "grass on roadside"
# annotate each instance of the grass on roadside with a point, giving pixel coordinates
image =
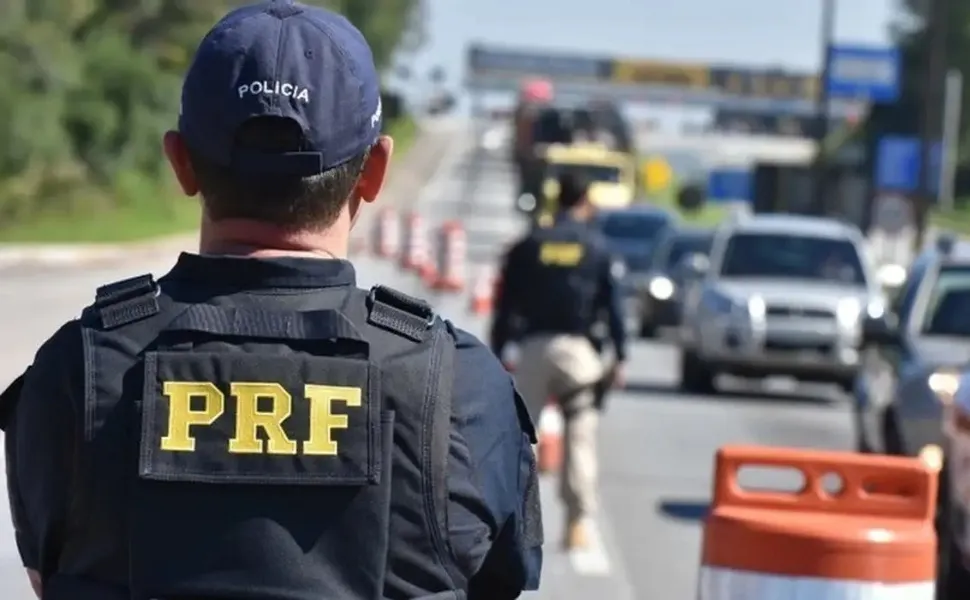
(956, 220)
(148, 216)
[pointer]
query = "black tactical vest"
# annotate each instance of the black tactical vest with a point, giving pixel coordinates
(239, 452)
(565, 279)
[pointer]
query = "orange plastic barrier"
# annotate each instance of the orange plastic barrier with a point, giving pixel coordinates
(452, 254)
(387, 234)
(872, 539)
(549, 431)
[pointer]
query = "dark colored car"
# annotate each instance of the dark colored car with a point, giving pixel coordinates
(916, 360)
(662, 291)
(633, 234)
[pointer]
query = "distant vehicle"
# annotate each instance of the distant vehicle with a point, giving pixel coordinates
(917, 361)
(662, 290)
(613, 176)
(540, 121)
(779, 295)
(633, 234)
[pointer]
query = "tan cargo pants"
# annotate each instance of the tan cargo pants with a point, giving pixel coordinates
(566, 366)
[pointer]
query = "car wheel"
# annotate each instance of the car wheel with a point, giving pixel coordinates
(953, 578)
(862, 444)
(890, 434)
(696, 376)
(648, 330)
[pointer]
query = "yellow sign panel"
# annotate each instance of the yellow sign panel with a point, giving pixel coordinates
(661, 73)
(657, 174)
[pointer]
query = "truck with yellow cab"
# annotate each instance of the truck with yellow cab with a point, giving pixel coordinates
(612, 175)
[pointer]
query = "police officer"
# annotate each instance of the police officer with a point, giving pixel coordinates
(555, 282)
(253, 425)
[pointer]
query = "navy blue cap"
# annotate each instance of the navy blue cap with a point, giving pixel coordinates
(282, 59)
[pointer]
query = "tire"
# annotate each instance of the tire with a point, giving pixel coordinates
(890, 434)
(862, 445)
(696, 377)
(953, 578)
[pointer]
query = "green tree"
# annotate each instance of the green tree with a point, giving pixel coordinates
(91, 85)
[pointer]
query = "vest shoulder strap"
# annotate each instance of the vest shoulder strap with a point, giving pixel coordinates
(400, 313)
(124, 302)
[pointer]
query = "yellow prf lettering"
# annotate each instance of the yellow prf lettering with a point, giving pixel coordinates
(560, 254)
(322, 419)
(181, 417)
(249, 419)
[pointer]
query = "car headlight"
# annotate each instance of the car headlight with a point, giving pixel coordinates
(756, 307)
(848, 311)
(661, 288)
(618, 269)
(944, 384)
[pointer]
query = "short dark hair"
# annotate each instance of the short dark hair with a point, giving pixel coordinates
(573, 188)
(291, 202)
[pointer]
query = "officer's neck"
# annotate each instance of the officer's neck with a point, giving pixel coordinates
(242, 237)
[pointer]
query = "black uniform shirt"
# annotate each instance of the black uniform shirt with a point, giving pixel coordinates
(518, 294)
(48, 423)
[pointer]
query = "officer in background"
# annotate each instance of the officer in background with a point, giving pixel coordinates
(252, 424)
(555, 281)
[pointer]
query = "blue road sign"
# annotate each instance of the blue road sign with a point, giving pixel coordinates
(862, 73)
(729, 185)
(898, 161)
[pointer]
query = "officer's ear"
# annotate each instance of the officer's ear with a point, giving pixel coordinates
(178, 158)
(375, 170)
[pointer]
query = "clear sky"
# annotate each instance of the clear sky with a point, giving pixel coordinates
(769, 33)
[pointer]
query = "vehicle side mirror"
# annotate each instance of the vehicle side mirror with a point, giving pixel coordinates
(880, 331)
(695, 265)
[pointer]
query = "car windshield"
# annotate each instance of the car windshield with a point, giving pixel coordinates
(632, 227)
(784, 256)
(592, 173)
(683, 245)
(948, 309)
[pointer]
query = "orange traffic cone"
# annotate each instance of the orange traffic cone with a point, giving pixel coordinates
(482, 293)
(549, 454)
(387, 234)
(451, 258)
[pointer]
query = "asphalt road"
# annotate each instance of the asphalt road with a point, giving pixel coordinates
(657, 444)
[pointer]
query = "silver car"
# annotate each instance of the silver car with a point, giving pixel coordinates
(779, 295)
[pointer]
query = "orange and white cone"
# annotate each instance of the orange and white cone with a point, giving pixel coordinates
(387, 234)
(452, 252)
(482, 298)
(416, 257)
(550, 429)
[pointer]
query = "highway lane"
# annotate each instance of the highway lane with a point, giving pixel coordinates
(657, 445)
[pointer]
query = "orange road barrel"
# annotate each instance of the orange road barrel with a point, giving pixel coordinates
(871, 537)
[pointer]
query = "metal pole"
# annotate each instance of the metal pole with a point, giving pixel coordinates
(827, 36)
(952, 107)
(936, 30)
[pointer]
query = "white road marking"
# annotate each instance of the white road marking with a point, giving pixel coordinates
(593, 560)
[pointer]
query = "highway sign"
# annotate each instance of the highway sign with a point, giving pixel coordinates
(657, 174)
(898, 164)
(492, 61)
(501, 69)
(863, 73)
(729, 184)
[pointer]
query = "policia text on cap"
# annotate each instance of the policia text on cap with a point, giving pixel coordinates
(554, 284)
(253, 425)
